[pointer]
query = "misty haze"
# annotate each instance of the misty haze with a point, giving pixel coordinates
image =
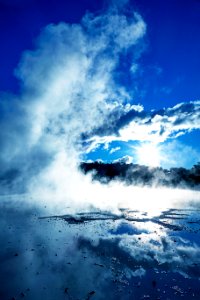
(100, 153)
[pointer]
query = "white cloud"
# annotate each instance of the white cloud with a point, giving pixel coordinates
(154, 127)
(70, 73)
(68, 89)
(127, 159)
(114, 150)
(134, 68)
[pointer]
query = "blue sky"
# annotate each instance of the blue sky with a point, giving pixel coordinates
(150, 109)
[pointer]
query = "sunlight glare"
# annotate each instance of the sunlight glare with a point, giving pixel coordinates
(148, 154)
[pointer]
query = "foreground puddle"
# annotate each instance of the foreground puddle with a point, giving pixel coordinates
(100, 255)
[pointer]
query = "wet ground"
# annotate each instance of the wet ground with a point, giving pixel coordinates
(99, 255)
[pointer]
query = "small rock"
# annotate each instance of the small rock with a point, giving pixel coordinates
(154, 283)
(66, 290)
(99, 265)
(22, 295)
(92, 293)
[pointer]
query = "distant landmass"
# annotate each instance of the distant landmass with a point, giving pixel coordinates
(143, 175)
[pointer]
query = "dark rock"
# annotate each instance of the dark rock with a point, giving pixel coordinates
(22, 295)
(154, 283)
(99, 265)
(66, 290)
(92, 293)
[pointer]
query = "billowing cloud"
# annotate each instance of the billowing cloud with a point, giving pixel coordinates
(136, 124)
(67, 89)
(69, 96)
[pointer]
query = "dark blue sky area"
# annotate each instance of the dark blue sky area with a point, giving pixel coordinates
(174, 46)
(21, 22)
(169, 67)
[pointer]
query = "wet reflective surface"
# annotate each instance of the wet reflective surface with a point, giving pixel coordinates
(99, 255)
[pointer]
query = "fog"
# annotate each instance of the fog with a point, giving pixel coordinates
(69, 91)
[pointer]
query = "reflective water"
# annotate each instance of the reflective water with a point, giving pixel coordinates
(99, 255)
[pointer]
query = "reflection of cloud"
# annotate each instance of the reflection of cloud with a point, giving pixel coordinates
(149, 251)
(68, 95)
(79, 258)
(41, 260)
(138, 248)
